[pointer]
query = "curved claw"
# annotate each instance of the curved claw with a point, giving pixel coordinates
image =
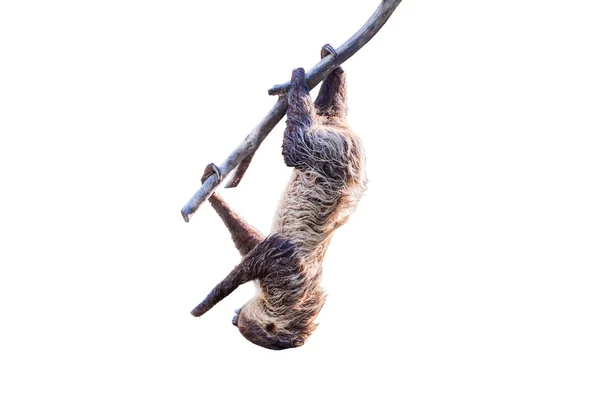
(217, 171)
(210, 170)
(328, 49)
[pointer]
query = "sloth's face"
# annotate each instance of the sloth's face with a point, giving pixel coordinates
(264, 334)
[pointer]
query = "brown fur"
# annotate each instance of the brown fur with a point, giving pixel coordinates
(325, 186)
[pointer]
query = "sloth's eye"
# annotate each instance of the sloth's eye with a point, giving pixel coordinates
(270, 328)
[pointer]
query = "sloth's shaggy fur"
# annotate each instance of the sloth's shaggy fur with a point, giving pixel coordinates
(327, 181)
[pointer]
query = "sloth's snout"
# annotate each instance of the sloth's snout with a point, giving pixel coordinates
(235, 316)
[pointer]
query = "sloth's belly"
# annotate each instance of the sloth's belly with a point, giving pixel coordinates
(308, 213)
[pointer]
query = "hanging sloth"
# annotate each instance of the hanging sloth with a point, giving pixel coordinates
(326, 184)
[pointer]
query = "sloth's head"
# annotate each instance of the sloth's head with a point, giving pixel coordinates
(262, 329)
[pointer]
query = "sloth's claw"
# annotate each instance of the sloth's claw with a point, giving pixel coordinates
(328, 49)
(210, 170)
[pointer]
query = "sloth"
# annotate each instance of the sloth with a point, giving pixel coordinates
(326, 184)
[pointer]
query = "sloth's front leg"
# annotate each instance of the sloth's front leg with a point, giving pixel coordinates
(245, 236)
(259, 263)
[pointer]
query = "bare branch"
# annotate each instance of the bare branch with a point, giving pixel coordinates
(243, 154)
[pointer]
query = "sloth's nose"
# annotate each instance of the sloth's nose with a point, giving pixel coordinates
(234, 320)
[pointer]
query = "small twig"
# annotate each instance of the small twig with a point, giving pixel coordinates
(239, 172)
(243, 154)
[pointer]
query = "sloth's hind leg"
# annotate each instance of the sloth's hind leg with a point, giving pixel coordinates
(331, 101)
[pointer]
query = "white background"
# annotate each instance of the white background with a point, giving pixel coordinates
(470, 269)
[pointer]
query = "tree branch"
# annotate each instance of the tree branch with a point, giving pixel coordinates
(243, 154)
